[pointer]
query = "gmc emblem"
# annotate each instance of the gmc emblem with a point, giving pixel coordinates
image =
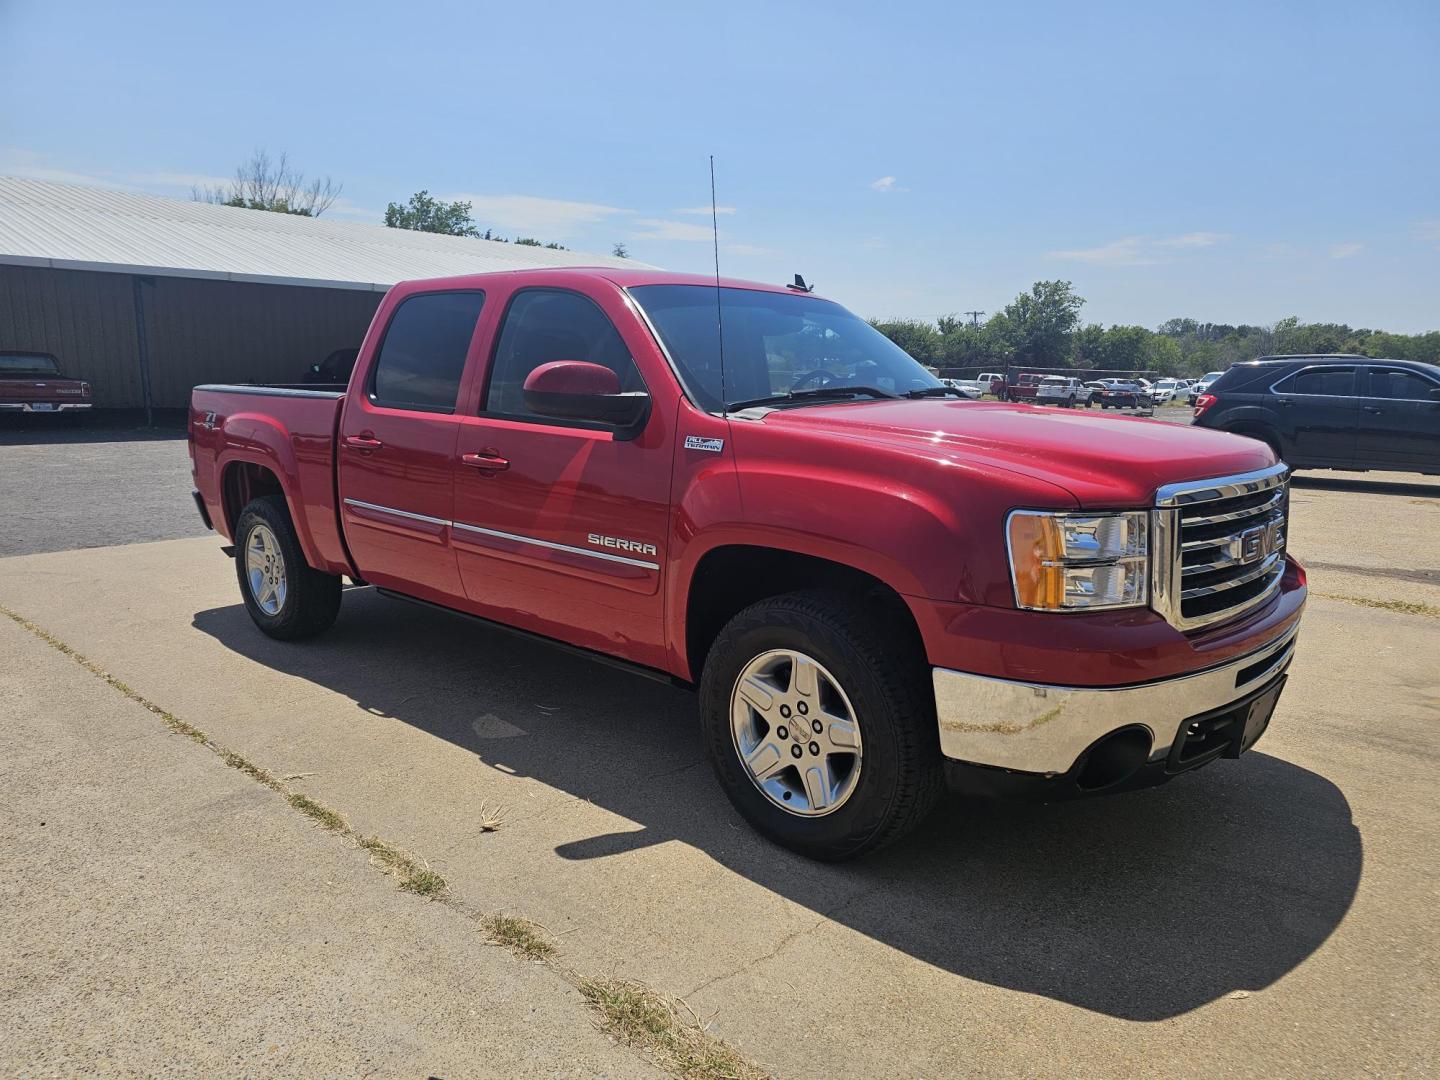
(1259, 543)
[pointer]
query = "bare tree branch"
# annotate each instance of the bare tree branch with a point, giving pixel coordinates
(263, 184)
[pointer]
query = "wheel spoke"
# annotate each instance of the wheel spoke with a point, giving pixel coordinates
(843, 733)
(804, 680)
(817, 786)
(766, 760)
(760, 697)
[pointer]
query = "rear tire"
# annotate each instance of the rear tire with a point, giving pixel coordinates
(286, 597)
(894, 777)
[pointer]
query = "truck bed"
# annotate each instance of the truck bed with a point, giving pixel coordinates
(291, 430)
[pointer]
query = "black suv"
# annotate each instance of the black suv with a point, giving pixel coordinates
(1332, 412)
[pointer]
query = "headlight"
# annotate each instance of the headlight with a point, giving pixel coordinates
(1062, 562)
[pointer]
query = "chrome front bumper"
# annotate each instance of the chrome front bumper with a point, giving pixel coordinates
(1034, 728)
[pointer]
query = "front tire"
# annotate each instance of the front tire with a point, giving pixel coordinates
(820, 728)
(285, 596)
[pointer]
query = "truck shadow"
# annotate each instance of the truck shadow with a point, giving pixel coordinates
(1367, 486)
(1140, 907)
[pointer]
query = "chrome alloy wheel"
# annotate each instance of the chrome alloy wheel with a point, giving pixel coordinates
(265, 569)
(796, 733)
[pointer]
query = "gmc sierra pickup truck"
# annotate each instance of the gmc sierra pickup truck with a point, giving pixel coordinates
(875, 585)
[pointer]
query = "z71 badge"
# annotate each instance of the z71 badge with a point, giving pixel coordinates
(697, 442)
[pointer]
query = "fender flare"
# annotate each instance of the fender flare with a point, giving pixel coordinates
(256, 439)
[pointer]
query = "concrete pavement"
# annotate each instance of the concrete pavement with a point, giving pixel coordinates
(161, 913)
(1267, 917)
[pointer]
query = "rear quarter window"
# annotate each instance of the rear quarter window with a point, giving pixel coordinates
(1242, 375)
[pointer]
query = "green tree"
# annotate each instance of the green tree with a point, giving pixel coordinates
(1163, 355)
(620, 251)
(965, 346)
(916, 336)
(1037, 325)
(1088, 346)
(425, 214)
(1125, 348)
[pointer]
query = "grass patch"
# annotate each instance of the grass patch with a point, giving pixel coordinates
(649, 1022)
(414, 876)
(323, 815)
(1404, 607)
(521, 936)
(173, 722)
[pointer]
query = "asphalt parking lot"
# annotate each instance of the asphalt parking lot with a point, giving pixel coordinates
(1273, 916)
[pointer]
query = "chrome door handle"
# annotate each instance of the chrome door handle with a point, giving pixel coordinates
(486, 461)
(363, 442)
(1372, 409)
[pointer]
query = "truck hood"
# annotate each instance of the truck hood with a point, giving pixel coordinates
(1102, 461)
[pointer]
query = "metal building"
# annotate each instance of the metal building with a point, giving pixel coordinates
(144, 296)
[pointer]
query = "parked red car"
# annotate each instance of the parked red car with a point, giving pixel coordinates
(31, 382)
(1024, 387)
(873, 582)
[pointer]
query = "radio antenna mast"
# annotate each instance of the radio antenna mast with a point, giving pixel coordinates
(719, 318)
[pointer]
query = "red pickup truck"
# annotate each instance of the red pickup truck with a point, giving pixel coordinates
(875, 584)
(31, 382)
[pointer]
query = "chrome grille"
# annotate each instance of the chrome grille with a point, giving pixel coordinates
(1219, 546)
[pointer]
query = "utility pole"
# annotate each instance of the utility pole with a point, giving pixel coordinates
(974, 317)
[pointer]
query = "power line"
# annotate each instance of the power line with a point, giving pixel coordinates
(974, 317)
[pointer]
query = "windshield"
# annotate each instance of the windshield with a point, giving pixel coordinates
(28, 364)
(775, 343)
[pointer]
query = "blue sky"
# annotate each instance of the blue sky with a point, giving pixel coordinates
(1231, 162)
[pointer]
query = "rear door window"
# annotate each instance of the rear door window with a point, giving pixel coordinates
(1399, 384)
(1320, 382)
(423, 354)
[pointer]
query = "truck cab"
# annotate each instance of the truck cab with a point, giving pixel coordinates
(874, 584)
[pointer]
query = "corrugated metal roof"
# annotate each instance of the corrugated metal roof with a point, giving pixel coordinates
(84, 228)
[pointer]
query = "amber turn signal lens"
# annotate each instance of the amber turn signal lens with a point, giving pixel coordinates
(1036, 552)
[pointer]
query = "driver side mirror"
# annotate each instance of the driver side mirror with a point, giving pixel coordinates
(576, 390)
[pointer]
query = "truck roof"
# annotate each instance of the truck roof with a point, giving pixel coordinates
(622, 276)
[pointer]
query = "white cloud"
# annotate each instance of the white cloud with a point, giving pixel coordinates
(1137, 250)
(1193, 240)
(704, 211)
(182, 180)
(663, 229)
(1128, 251)
(33, 166)
(885, 184)
(1344, 251)
(754, 250)
(352, 211)
(546, 218)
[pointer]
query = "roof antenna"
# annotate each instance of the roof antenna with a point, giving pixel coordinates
(719, 318)
(800, 286)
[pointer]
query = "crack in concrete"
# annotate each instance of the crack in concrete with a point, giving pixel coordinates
(783, 943)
